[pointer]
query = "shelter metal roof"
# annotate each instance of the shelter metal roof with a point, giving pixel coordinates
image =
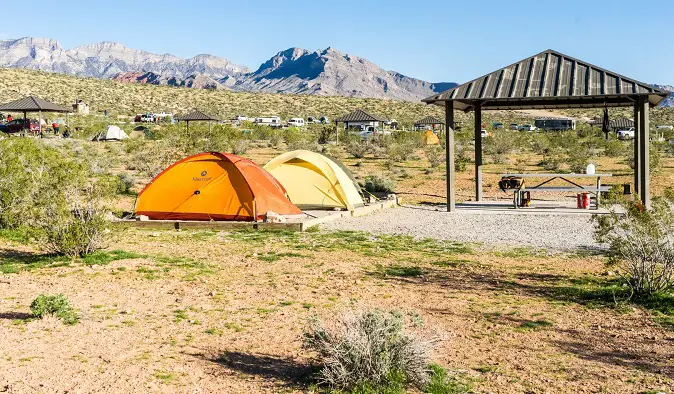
(428, 120)
(621, 123)
(197, 116)
(33, 104)
(548, 80)
(360, 116)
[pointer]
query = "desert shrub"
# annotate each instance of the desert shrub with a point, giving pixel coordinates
(357, 149)
(275, 138)
(126, 182)
(499, 146)
(654, 156)
(292, 134)
(239, 147)
(461, 159)
(578, 160)
(400, 151)
(614, 148)
(54, 305)
(641, 246)
(369, 352)
(57, 196)
(379, 184)
(434, 155)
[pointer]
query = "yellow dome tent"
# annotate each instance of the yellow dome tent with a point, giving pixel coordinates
(315, 181)
(429, 138)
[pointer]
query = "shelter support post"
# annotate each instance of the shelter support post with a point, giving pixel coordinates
(478, 152)
(26, 123)
(39, 122)
(449, 155)
(637, 141)
(644, 154)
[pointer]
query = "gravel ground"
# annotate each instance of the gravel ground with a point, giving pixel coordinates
(555, 232)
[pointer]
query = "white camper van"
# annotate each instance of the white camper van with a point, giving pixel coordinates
(272, 121)
(297, 122)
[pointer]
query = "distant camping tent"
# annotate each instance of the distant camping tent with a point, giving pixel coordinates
(214, 186)
(429, 138)
(315, 181)
(112, 133)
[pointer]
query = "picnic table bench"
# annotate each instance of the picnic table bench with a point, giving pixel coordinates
(571, 186)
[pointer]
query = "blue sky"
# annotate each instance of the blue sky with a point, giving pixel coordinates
(432, 40)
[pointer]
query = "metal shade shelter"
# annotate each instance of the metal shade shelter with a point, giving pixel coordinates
(197, 116)
(428, 120)
(33, 104)
(549, 80)
(356, 116)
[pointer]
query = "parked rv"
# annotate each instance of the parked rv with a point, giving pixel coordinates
(296, 122)
(555, 124)
(272, 121)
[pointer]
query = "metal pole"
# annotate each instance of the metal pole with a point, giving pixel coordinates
(644, 153)
(449, 155)
(478, 152)
(39, 122)
(637, 139)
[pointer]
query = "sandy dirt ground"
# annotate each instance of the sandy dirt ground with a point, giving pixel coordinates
(207, 313)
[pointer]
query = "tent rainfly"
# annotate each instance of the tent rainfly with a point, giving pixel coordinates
(214, 186)
(315, 181)
(112, 133)
(33, 104)
(544, 81)
(197, 116)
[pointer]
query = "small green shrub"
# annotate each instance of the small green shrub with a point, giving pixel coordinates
(379, 184)
(641, 246)
(54, 305)
(434, 155)
(126, 182)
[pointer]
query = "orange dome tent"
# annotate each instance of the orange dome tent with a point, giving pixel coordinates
(213, 186)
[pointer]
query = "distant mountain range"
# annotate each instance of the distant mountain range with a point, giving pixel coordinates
(325, 72)
(669, 101)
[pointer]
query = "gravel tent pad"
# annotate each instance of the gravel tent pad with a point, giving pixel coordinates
(562, 232)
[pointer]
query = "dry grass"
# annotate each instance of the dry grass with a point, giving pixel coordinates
(202, 310)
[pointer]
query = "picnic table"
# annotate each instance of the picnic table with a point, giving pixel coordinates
(571, 186)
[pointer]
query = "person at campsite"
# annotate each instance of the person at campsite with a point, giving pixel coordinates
(55, 127)
(9, 118)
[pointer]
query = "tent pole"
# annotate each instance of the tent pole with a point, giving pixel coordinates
(449, 155)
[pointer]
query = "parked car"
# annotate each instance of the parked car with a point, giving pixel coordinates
(497, 125)
(527, 127)
(625, 134)
(664, 127)
(368, 132)
(297, 122)
(18, 126)
(513, 126)
(324, 120)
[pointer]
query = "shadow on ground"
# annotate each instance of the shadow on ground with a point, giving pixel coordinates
(284, 371)
(15, 316)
